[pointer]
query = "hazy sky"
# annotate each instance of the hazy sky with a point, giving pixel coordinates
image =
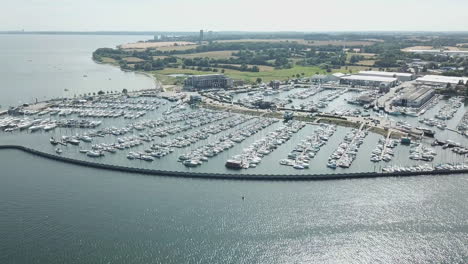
(245, 15)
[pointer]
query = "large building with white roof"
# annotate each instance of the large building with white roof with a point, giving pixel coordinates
(321, 78)
(451, 53)
(198, 82)
(414, 97)
(372, 81)
(401, 76)
(440, 80)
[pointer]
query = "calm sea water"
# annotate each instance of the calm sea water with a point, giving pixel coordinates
(43, 66)
(57, 213)
(52, 212)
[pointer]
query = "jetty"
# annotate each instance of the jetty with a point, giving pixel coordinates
(228, 176)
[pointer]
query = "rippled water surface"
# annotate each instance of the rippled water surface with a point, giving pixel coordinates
(58, 213)
(43, 66)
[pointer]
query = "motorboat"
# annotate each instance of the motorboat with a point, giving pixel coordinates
(94, 154)
(53, 141)
(49, 127)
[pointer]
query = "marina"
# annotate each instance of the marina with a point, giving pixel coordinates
(146, 130)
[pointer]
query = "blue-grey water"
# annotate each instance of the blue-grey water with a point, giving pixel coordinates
(51, 212)
(57, 213)
(43, 66)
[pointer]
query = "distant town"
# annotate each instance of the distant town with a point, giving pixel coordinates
(253, 58)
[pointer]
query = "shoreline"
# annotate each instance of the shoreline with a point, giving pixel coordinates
(157, 84)
(227, 176)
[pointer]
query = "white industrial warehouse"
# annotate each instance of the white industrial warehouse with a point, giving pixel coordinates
(439, 80)
(401, 76)
(374, 81)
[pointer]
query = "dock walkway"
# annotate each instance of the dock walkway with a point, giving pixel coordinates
(384, 150)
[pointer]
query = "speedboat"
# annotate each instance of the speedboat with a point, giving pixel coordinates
(49, 127)
(298, 166)
(53, 141)
(94, 154)
(24, 125)
(190, 163)
(331, 164)
(35, 128)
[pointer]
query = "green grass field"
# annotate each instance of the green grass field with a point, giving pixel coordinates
(366, 62)
(282, 74)
(132, 59)
(109, 61)
(266, 73)
(222, 54)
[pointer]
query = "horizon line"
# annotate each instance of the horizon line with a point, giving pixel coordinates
(228, 31)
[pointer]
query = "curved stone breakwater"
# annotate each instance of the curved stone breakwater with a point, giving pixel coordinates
(202, 175)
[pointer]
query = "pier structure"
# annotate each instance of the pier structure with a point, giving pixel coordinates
(231, 176)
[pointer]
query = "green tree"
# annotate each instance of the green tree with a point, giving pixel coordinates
(259, 80)
(101, 92)
(124, 91)
(355, 58)
(147, 66)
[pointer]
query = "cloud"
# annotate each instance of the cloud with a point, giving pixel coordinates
(252, 15)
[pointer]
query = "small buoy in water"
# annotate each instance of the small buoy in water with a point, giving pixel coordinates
(242, 198)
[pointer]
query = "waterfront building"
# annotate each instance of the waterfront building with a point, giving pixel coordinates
(318, 78)
(401, 76)
(440, 81)
(275, 84)
(369, 81)
(414, 97)
(200, 82)
(322, 78)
